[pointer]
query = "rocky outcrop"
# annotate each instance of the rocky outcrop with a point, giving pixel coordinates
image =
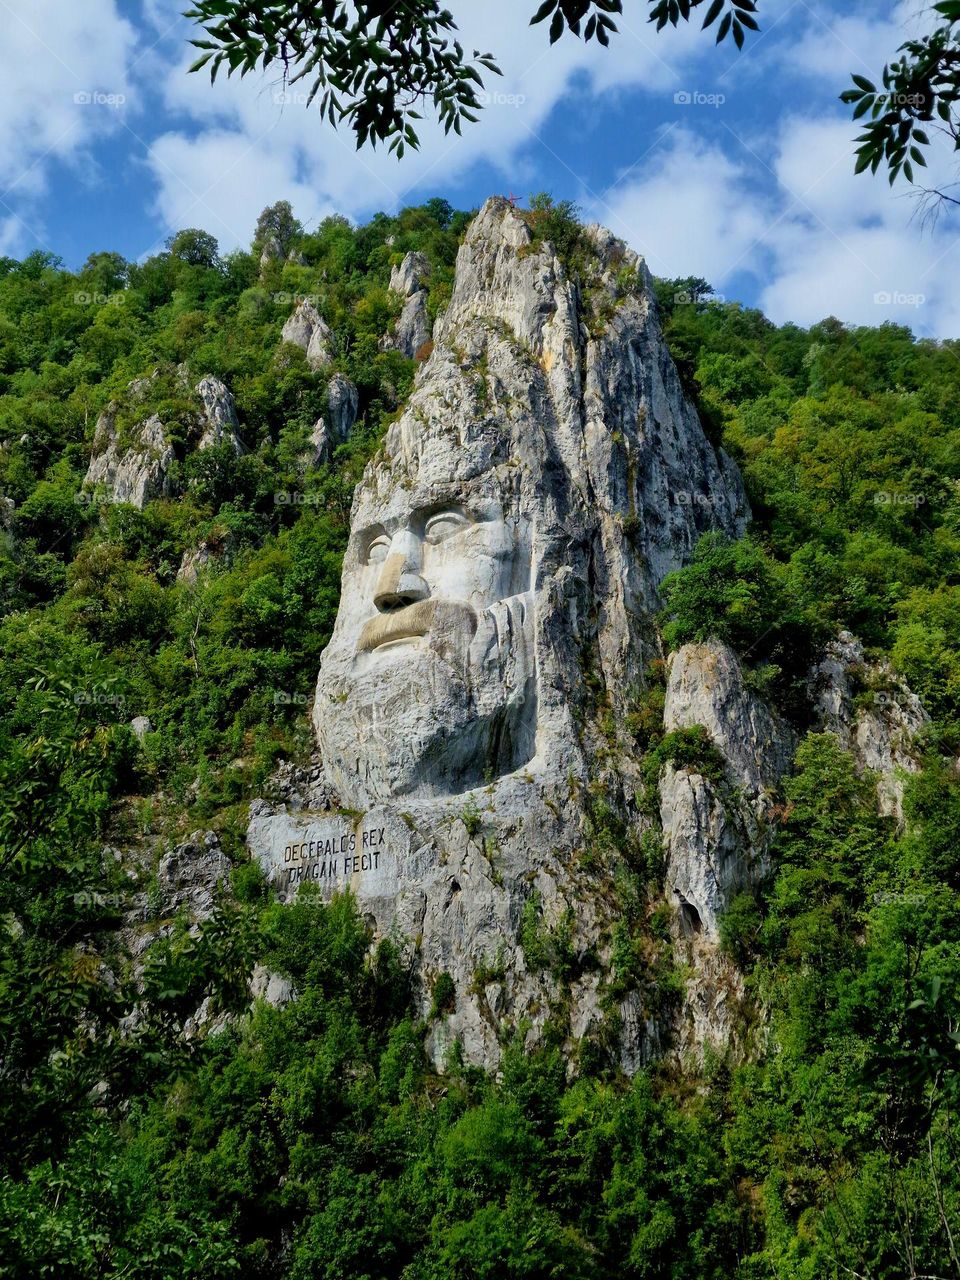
(307, 329)
(134, 464)
(408, 276)
(272, 251)
(511, 534)
(874, 714)
(136, 470)
(271, 987)
(715, 820)
(717, 825)
(215, 548)
(140, 726)
(191, 873)
(413, 328)
(342, 403)
(221, 424)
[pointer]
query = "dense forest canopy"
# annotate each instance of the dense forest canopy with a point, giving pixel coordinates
(314, 1140)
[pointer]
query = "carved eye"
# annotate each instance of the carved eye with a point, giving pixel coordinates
(377, 550)
(443, 525)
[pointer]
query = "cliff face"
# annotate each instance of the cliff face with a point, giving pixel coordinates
(506, 551)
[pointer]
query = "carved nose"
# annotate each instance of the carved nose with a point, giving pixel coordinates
(399, 583)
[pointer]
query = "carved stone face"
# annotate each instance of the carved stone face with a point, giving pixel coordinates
(427, 686)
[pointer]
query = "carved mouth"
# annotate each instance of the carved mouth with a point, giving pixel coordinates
(452, 622)
(410, 623)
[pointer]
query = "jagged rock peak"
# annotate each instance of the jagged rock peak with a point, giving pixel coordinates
(222, 426)
(137, 470)
(307, 329)
(408, 276)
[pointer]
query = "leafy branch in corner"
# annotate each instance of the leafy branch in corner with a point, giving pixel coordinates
(374, 64)
(920, 88)
(368, 63)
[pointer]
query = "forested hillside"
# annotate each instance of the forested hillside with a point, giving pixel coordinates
(313, 1139)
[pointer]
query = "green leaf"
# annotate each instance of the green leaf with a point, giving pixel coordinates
(545, 9)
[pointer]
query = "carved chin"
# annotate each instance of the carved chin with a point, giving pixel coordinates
(407, 725)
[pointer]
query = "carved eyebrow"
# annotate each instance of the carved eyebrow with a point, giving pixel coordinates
(447, 513)
(367, 537)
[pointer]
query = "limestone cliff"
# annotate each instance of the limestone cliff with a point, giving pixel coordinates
(499, 587)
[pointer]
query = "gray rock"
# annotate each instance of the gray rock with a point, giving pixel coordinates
(342, 404)
(413, 327)
(221, 424)
(190, 874)
(272, 251)
(716, 833)
(139, 472)
(307, 330)
(880, 735)
(513, 530)
(705, 686)
(408, 276)
(140, 726)
(214, 549)
(321, 444)
(274, 988)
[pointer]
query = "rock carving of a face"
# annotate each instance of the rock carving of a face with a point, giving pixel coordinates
(428, 685)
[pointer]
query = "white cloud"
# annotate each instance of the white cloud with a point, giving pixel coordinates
(693, 210)
(206, 182)
(818, 239)
(65, 84)
(229, 129)
(863, 42)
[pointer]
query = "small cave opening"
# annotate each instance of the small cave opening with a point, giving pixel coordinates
(690, 921)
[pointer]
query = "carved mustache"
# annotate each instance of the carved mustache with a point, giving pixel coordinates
(451, 624)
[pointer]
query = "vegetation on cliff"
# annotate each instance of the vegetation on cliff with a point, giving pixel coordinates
(314, 1139)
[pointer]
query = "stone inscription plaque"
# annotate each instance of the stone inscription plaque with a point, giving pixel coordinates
(363, 854)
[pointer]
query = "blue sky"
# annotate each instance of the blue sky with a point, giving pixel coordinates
(731, 166)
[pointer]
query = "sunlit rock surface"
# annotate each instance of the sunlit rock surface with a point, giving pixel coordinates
(499, 586)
